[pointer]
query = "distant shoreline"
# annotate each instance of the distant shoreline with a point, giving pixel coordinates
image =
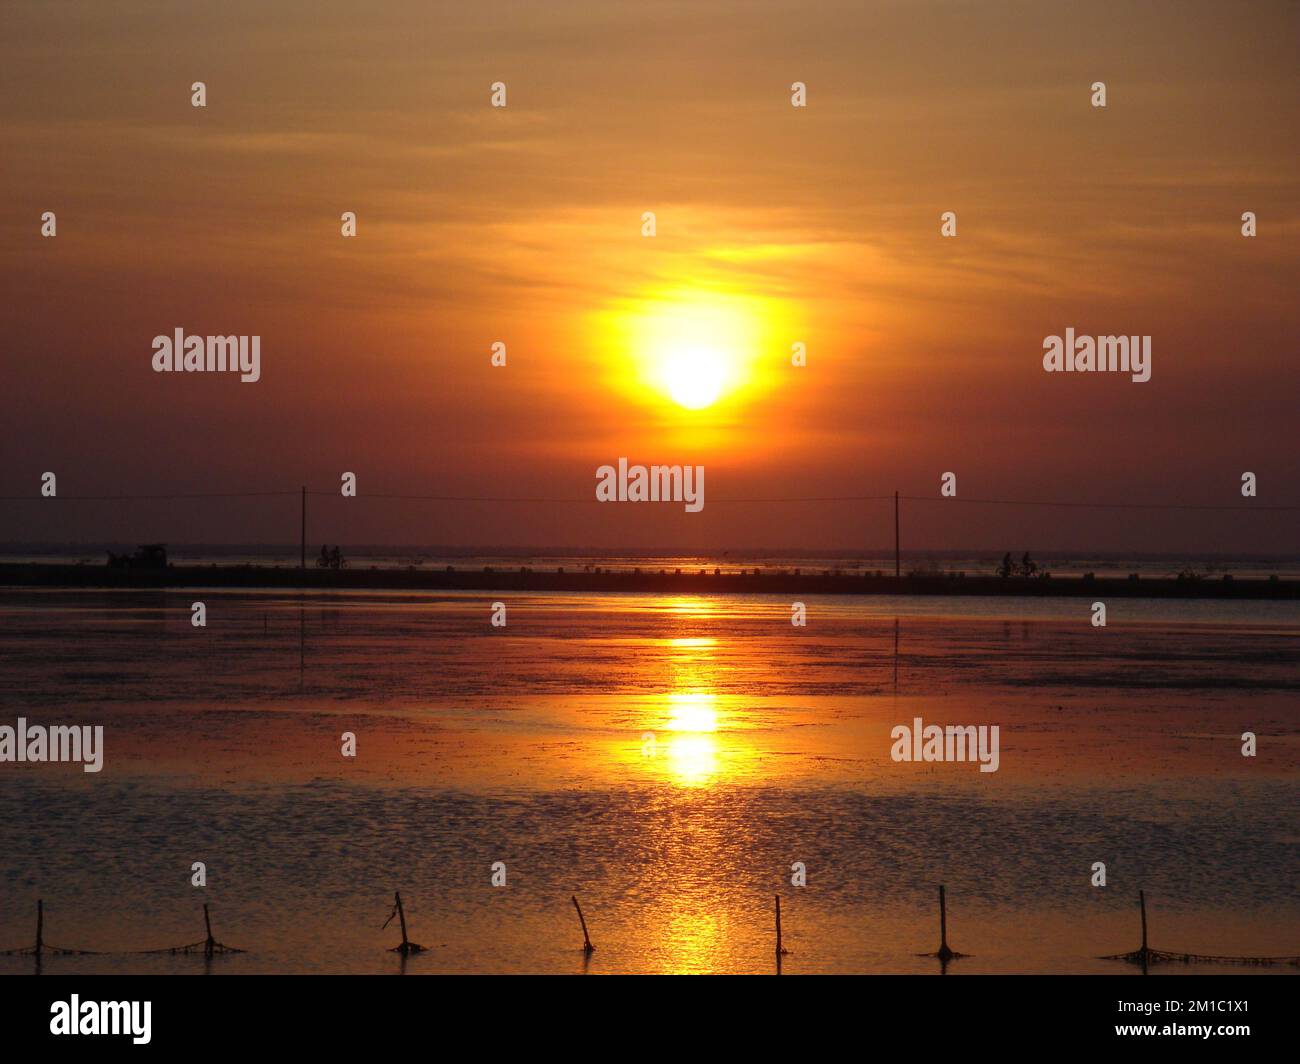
(730, 581)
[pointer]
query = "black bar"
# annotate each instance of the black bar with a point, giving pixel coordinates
(980, 1014)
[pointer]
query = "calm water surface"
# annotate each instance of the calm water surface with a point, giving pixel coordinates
(665, 758)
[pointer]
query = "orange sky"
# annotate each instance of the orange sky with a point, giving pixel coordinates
(817, 225)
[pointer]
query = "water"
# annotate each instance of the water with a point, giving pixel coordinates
(528, 745)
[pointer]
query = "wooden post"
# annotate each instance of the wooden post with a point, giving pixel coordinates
(208, 946)
(944, 952)
(401, 916)
(40, 926)
(304, 527)
(407, 946)
(1142, 901)
(780, 950)
(586, 939)
(898, 565)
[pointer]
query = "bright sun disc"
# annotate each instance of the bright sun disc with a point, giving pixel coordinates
(695, 349)
(694, 377)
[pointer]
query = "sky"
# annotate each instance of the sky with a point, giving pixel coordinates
(774, 225)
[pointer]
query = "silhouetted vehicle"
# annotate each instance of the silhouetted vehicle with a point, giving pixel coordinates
(149, 556)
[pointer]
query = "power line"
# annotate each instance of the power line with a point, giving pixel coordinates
(834, 498)
(770, 499)
(456, 498)
(134, 498)
(1101, 505)
(545, 499)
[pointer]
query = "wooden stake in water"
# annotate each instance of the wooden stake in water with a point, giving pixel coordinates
(586, 939)
(401, 915)
(209, 947)
(781, 951)
(407, 945)
(1142, 901)
(40, 926)
(944, 954)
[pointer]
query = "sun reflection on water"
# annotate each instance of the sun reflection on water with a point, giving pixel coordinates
(694, 940)
(693, 748)
(690, 736)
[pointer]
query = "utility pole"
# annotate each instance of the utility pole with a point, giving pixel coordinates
(898, 568)
(304, 527)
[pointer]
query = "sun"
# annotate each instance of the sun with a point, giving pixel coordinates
(694, 377)
(695, 350)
